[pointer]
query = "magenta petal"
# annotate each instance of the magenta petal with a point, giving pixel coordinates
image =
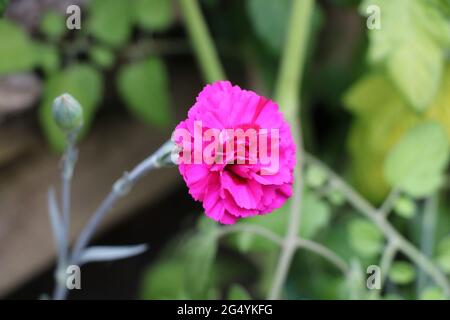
(230, 191)
(247, 193)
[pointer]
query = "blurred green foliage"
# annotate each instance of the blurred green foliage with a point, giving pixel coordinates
(144, 87)
(415, 164)
(385, 93)
(410, 44)
(3, 4)
(394, 83)
(271, 31)
(74, 60)
(16, 49)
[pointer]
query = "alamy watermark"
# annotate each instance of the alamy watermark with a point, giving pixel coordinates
(373, 17)
(73, 21)
(374, 277)
(228, 146)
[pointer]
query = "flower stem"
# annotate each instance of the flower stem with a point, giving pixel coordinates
(253, 229)
(120, 189)
(324, 252)
(201, 40)
(287, 95)
(365, 208)
(389, 203)
(68, 165)
(429, 221)
(309, 245)
(385, 263)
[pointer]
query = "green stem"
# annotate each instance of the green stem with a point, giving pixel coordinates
(325, 253)
(389, 203)
(292, 62)
(308, 245)
(251, 229)
(427, 236)
(385, 263)
(365, 208)
(201, 40)
(287, 95)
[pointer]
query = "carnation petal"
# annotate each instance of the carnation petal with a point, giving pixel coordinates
(246, 193)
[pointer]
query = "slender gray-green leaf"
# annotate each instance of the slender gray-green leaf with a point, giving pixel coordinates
(110, 253)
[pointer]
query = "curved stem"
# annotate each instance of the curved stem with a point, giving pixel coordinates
(68, 165)
(389, 203)
(249, 228)
(325, 253)
(385, 263)
(120, 189)
(287, 95)
(364, 207)
(201, 40)
(309, 245)
(429, 220)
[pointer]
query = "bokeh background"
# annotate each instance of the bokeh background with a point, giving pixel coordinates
(133, 69)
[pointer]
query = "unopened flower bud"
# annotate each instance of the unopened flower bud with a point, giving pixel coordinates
(67, 112)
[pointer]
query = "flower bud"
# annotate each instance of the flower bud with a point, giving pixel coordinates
(67, 113)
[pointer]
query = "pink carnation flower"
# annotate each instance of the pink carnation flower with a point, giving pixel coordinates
(230, 189)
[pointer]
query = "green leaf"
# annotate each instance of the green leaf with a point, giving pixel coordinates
(432, 293)
(144, 87)
(164, 281)
(47, 57)
(416, 164)
(411, 44)
(238, 292)
(402, 272)
(153, 15)
(82, 82)
(315, 215)
(405, 207)
(3, 5)
(315, 177)
(269, 19)
(110, 21)
(199, 252)
(102, 56)
(336, 197)
(381, 119)
(443, 254)
(53, 25)
(16, 49)
(365, 238)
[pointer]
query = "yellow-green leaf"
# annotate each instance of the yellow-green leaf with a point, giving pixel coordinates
(417, 163)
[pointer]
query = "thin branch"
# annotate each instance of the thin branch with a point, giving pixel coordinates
(201, 40)
(389, 203)
(325, 253)
(306, 244)
(386, 260)
(365, 208)
(253, 229)
(288, 96)
(120, 189)
(429, 221)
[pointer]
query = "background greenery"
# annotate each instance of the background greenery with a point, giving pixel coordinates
(375, 106)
